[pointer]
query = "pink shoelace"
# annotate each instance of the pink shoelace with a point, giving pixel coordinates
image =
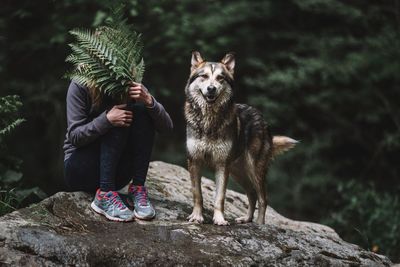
(140, 193)
(115, 199)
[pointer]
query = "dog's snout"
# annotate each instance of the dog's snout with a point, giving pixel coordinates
(211, 89)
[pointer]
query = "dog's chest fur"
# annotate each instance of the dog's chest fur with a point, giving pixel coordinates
(210, 134)
(205, 148)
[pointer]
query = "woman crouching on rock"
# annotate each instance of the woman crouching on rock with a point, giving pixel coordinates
(108, 146)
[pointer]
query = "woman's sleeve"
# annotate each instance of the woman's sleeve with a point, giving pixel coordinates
(81, 130)
(161, 118)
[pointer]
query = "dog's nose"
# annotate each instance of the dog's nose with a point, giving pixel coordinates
(211, 89)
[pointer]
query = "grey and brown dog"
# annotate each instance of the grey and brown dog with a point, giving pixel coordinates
(232, 138)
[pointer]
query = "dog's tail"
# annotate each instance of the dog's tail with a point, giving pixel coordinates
(282, 144)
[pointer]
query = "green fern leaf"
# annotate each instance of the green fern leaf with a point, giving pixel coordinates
(108, 58)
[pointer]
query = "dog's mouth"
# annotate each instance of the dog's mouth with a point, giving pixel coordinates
(210, 98)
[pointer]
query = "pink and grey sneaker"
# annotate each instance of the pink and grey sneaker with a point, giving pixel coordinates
(111, 205)
(142, 207)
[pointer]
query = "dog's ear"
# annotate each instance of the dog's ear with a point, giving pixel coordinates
(196, 60)
(229, 62)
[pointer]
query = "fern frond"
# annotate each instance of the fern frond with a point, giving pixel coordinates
(10, 127)
(9, 106)
(108, 58)
(139, 71)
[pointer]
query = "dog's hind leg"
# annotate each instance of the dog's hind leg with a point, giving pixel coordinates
(251, 195)
(197, 214)
(262, 200)
(258, 179)
(222, 175)
(257, 171)
(241, 178)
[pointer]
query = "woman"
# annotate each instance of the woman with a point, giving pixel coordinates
(108, 146)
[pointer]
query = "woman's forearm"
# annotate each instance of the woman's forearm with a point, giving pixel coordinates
(161, 118)
(81, 130)
(81, 135)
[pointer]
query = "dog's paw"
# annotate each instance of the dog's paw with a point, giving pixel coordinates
(260, 221)
(196, 217)
(244, 219)
(219, 219)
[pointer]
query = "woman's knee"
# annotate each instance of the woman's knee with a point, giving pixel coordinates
(142, 120)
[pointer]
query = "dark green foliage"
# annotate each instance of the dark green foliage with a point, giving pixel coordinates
(12, 191)
(9, 106)
(9, 120)
(8, 201)
(373, 216)
(108, 58)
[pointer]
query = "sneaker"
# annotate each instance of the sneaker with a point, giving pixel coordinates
(110, 205)
(142, 206)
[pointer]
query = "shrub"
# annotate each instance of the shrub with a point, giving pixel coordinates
(369, 218)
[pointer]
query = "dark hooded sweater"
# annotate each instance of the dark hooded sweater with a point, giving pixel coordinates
(85, 124)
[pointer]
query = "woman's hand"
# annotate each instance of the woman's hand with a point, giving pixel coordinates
(120, 117)
(140, 93)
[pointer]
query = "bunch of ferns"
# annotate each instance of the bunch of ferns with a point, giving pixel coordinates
(107, 58)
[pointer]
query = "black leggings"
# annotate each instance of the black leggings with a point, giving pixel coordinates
(122, 154)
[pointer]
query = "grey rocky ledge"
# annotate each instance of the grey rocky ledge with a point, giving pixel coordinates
(62, 230)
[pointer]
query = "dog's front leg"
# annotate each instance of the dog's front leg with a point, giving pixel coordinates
(197, 214)
(221, 176)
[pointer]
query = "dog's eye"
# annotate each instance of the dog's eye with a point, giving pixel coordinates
(220, 78)
(204, 76)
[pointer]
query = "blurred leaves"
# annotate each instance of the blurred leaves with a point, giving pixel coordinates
(11, 195)
(9, 106)
(11, 177)
(8, 201)
(374, 216)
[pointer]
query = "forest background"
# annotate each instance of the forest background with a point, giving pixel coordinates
(325, 72)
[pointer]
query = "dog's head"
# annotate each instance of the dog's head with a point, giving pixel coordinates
(211, 82)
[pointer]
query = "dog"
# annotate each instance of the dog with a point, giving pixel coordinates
(234, 139)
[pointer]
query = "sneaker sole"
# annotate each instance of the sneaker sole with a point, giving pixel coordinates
(111, 218)
(143, 218)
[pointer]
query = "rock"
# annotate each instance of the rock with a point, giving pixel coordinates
(63, 230)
